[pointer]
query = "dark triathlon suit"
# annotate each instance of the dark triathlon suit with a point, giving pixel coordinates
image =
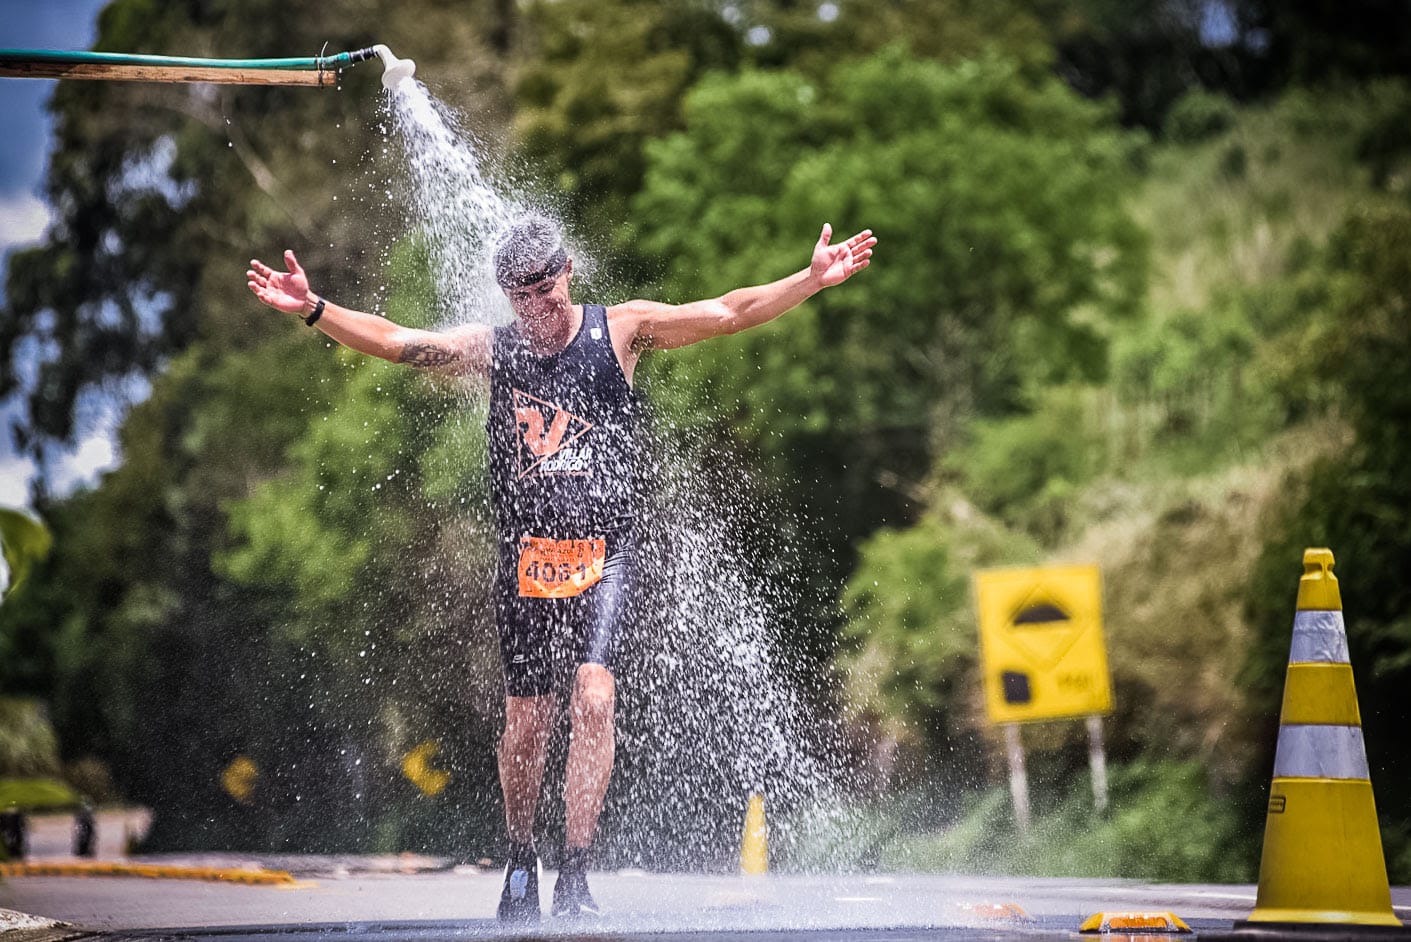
(563, 469)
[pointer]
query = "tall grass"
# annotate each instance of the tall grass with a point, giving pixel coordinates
(1163, 825)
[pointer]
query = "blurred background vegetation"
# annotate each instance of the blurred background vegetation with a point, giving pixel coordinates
(1141, 299)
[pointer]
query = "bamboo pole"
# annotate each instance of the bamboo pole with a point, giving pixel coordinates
(165, 73)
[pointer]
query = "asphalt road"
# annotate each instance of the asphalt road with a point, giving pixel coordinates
(337, 899)
(414, 897)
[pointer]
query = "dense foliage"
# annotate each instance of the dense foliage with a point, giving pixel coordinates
(1139, 299)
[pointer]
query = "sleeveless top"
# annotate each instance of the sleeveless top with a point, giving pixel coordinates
(562, 431)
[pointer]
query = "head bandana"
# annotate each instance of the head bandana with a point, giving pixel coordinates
(509, 275)
(529, 252)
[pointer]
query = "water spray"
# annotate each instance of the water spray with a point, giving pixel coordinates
(117, 66)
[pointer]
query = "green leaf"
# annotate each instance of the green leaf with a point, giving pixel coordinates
(25, 541)
(37, 794)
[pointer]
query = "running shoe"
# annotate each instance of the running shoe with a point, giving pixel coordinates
(571, 897)
(519, 900)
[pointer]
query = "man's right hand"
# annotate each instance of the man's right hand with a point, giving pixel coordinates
(286, 291)
(458, 351)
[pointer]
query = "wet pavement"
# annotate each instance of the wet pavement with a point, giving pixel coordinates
(396, 898)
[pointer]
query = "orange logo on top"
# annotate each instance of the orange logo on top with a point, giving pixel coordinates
(541, 438)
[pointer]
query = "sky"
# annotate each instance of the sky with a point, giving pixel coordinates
(24, 151)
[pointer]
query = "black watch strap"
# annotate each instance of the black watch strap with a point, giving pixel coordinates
(318, 312)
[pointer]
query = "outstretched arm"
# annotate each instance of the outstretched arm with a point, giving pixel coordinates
(465, 350)
(655, 326)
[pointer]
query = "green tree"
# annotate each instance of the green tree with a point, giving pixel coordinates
(373, 551)
(151, 650)
(135, 267)
(1312, 41)
(816, 38)
(598, 80)
(997, 200)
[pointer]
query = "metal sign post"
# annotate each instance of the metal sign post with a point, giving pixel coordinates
(1097, 760)
(1018, 776)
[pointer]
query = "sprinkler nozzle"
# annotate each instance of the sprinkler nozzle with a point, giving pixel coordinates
(395, 70)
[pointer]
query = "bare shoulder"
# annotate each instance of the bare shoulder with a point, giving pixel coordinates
(652, 325)
(626, 320)
(635, 310)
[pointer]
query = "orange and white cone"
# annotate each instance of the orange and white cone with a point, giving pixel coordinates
(1322, 860)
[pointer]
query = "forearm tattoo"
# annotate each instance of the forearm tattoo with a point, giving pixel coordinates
(428, 355)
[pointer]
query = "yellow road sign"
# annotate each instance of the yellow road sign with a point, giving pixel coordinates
(416, 766)
(239, 779)
(1041, 645)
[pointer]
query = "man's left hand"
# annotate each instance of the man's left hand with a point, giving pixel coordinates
(835, 264)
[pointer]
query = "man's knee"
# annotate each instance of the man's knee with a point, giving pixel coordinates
(527, 721)
(593, 695)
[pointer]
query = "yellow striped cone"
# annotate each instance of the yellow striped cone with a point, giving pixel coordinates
(754, 849)
(1322, 860)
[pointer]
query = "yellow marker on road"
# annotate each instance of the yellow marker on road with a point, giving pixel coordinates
(754, 849)
(416, 766)
(1144, 923)
(1322, 860)
(281, 878)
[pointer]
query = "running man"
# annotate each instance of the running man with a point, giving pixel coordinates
(563, 466)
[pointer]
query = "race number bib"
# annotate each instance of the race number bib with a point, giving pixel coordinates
(559, 569)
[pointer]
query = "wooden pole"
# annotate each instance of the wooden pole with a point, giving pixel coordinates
(1018, 777)
(1097, 760)
(166, 73)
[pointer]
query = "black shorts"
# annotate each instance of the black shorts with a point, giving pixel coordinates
(543, 641)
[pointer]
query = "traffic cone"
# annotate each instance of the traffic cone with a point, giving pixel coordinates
(1322, 860)
(754, 849)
